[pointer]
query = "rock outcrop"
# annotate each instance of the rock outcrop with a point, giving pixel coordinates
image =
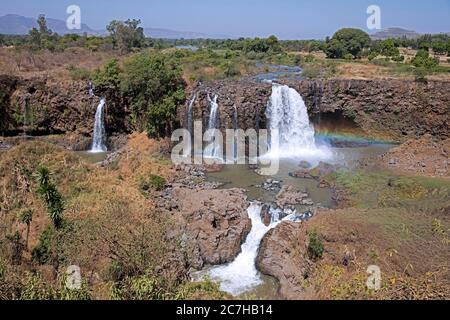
(51, 107)
(216, 220)
(282, 255)
(386, 109)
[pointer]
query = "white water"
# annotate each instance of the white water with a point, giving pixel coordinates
(241, 275)
(213, 150)
(190, 116)
(98, 144)
(292, 135)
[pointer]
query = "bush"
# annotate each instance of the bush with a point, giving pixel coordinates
(78, 74)
(423, 60)
(154, 182)
(348, 56)
(315, 245)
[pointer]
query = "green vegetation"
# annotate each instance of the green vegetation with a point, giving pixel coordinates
(51, 196)
(26, 217)
(315, 245)
(347, 42)
(423, 60)
(383, 189)
(154, 182)
(126, 35)
(150, 84)
(43, 37)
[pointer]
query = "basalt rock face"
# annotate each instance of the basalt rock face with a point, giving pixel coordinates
(388, 109)
(50, 107)
(216, 222)
(282, 255)
(249, 98)
(397, 109)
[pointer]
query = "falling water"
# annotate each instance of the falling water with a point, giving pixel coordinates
(26, 116)
(214, 113)
(213, 150)
(241, 275)
(98, 144)
(235, 127)
(91, 89)
(292, 134)
(190, 115)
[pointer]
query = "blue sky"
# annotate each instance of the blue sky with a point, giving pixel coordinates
(301, 19)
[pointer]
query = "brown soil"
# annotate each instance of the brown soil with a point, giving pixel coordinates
(426, 156)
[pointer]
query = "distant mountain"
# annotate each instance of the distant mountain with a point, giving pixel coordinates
(390, 33)
(15, 24)
(19, 25)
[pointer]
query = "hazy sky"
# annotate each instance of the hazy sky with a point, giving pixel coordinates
(284, 18)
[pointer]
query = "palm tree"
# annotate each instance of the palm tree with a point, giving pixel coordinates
(26, 217)
(51, 196)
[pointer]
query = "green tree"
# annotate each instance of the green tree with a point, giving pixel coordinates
(389, 49)
(126, 35)
(347, 41)
(26, 217)
(42, 37)
(335, 49)
(154, 87)
(423, 60)
(51, 196)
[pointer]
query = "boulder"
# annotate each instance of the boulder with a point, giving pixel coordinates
(216, 220)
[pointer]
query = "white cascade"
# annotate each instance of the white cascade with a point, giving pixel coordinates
(241, 275)
(214, 150)
(98, 144)
(291, 133)
(190, 115)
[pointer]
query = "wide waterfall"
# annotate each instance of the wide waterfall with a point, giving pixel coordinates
(214, 150)
(98, 144)
(291, 133)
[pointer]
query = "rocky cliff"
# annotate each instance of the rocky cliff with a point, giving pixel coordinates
(389, 109)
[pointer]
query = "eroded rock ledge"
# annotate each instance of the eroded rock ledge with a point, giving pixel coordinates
(388, 109)
(216, 220)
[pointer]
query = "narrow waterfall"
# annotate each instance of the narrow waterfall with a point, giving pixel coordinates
(91, 89)
(213, 150)
(241, 275)
(235, 127)
(26, 116)
(214, 113)
(291, 132)
(98, 144)
(190, 115)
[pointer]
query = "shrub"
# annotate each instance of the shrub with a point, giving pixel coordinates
(348, 56)
(154, 182)
(423, 60)
(315, 245)
(78, 74)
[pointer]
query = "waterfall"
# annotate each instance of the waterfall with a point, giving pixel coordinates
(26, 116)
(190, 115)
(235, 127)
(214, 113)
(241, 275)
(98, 144)
(291, 132)
(91, 89)
(213, 150)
